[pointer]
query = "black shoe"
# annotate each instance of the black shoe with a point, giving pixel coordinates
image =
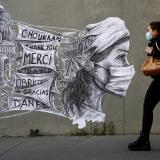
(141, 144)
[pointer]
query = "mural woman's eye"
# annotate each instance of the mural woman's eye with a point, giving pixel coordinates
(122, 59)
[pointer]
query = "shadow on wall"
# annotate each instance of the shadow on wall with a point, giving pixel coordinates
(96, 129)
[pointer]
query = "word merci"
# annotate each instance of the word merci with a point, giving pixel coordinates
(38, 58)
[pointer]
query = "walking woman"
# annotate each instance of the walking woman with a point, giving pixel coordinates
(152, 96)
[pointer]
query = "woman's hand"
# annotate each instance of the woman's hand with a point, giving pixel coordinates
(148, 50)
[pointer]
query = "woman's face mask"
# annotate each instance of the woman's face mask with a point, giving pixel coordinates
(149, 36)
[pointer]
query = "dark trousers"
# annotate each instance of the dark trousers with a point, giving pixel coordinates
(152, 97)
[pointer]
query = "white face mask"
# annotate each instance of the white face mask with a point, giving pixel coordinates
(149, 36)
(114, 80)
(120, 78)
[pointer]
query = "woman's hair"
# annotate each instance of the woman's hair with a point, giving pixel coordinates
(77, 92)
(155, 26)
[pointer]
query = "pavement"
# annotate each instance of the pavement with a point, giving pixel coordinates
(75, 148)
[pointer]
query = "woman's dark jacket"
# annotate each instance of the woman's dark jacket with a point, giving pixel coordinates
(155, 43)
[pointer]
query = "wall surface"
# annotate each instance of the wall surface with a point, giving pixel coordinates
(123, 115)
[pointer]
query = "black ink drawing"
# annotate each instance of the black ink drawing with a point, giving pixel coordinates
(7, 55)
(99, 59)
(65, 73)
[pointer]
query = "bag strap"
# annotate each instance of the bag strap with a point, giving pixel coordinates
(157, 46)
(151, 59)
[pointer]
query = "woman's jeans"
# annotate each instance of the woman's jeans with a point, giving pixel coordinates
(152, 97)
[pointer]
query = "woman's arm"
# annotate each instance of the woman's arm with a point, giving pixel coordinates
(156, 49)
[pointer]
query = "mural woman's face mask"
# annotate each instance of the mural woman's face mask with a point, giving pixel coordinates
(116, 79)
(120, 78)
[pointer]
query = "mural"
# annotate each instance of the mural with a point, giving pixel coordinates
(63, 73)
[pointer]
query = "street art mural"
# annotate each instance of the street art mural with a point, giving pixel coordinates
(63, 73)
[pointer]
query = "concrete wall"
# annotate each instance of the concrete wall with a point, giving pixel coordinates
(123, 114)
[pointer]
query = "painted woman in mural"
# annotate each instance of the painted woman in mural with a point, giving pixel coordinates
(104, 69)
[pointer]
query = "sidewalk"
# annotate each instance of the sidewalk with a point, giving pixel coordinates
(75, 148)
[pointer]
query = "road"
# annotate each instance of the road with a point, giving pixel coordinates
(75, 148)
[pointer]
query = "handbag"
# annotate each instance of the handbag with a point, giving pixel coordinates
(151, 66)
